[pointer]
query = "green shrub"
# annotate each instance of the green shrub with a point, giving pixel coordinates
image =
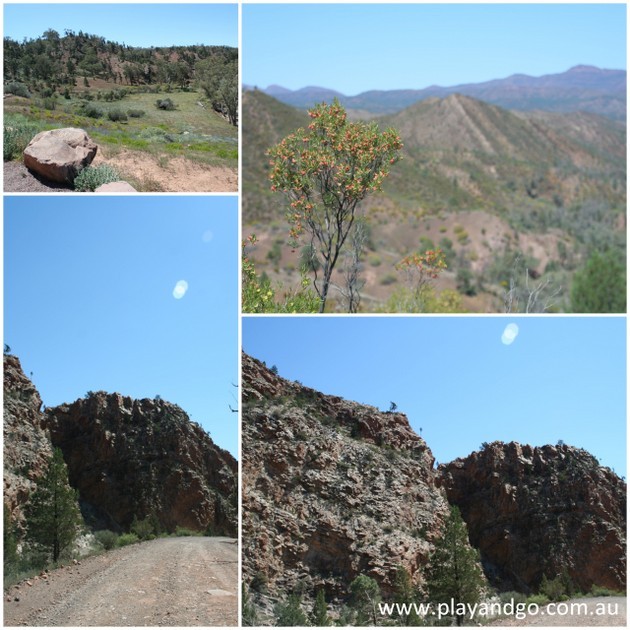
(515, 596)
(539, 600)
(106, 538)
(117, 115)
(91, 111)
(388, 279)
(17, 134)
(602, 591)
(166, 104)
(143, 529)
(136, 113)
(17, 89)
(127, 539)
(91, 177)
(555, 590)
(184, 531)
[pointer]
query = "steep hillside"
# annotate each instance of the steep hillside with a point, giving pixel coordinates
(486, 185)
(331, 489)
(581, 88)
(62, 59)
(27, 447)
(477, 155)
(144, 457)
(127, 458)
(540, 511)
(265, 122)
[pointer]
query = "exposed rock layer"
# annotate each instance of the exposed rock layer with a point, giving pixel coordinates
(331, 489)
(540, 510)
(128, 458)
(27, 446)
(145, 457)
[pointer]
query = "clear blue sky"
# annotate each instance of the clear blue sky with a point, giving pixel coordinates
(562, 378)
(89, 304)
(357, 47)
(141, 25)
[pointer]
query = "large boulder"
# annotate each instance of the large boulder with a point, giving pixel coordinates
(58, 155)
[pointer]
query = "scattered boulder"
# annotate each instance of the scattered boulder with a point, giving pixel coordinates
(113, 187)
(59, 154)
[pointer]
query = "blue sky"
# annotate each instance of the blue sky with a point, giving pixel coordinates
(89, 303)
(562, 378)
(357, 47)
(133, 24)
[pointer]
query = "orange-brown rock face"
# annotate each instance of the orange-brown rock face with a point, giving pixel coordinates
(144, 457)
(331, 489)
(540, 510)
(27, 448)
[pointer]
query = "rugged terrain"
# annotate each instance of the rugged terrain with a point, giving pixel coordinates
(127, 458)
(333, 489)
(148, 109)
(533, 511)
(27, 447)
(487, 185)
(166, 582)
(138, 458)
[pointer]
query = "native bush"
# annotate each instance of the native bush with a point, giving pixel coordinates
(325, 171)
(91, 177)
(165, 104)
(117, 115)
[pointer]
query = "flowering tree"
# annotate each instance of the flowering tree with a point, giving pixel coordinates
(326, 170)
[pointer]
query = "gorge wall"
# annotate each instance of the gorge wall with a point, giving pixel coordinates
(541, 510)
(127, 458)
(332, 489)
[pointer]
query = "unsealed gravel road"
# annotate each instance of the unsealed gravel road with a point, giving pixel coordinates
(589, 611)
(191, 581)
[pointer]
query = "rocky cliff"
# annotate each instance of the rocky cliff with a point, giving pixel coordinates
(136, 458)
(331, 489)
(27, 447)
(534, 511)
(128, 458)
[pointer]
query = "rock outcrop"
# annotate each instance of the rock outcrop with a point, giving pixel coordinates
(535, 511)
(331, 489)
(128, 459)
(139, 458)
(27, 447)
(59, 154)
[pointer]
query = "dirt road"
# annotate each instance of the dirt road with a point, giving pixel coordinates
(589, 611)
(166, 582)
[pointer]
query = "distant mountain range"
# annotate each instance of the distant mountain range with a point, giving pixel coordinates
(582, 88)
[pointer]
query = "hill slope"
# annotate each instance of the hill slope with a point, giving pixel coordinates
(485, 184)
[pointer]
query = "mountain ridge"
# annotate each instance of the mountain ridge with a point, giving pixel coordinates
(581, 88)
